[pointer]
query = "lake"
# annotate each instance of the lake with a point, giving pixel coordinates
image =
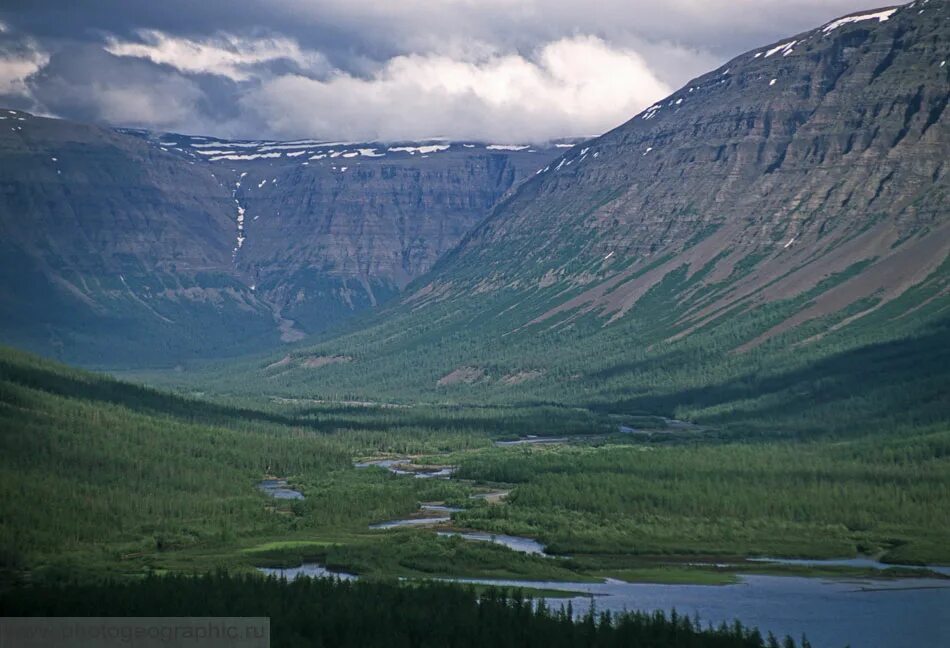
(832, 613)
(865, 613)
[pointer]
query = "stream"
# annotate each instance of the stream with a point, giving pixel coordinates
(515, 543)
(865, 612)
(278, 489)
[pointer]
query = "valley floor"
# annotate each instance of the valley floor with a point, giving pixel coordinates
(106, 483)
(107, 478)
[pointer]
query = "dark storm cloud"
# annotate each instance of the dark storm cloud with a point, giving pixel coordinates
(495, 69)
(89, 84)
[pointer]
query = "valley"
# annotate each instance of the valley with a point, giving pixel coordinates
(90, 460)
(578, 392)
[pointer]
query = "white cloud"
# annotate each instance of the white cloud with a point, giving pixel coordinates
(224, 54)
(18, 64)
(503, 70)
(572, 86)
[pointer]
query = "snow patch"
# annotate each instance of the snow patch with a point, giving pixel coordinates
(650, 112)
(219, 144)
(880, 15)
(240, 228)
(783, 47)
(412, 150)
(252, 156)
(507, 147)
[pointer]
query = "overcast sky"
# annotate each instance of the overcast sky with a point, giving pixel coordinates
(499, 70)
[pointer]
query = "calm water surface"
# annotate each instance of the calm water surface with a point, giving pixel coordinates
(832, 613)
(277, 488)
(515, 543)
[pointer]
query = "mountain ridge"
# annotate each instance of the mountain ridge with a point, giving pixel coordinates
(785, 212)
(130, 248)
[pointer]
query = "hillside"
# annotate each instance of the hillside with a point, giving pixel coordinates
(127, 248)
(766, 247)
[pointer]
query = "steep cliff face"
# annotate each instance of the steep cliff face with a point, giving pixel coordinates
(747, 242)
(130, 248)
(331, 228)
(115, 249)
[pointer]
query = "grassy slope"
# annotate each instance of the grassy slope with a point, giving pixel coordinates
(885, 369)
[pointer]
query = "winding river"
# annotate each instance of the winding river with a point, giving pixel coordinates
(863, 612)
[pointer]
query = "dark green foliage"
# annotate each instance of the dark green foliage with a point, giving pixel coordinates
(781, 498)
(361, 614)
(101, 476)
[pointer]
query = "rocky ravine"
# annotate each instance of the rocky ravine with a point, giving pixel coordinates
(125, 248)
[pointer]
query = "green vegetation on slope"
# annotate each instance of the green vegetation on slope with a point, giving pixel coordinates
(886, 369)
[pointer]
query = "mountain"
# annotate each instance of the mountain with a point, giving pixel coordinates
(328, 228)
(769, 241)
(127, 248)
(115, 249)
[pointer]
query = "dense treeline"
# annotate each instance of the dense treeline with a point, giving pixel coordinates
(816, 498)
(93, 481)
(326, 612)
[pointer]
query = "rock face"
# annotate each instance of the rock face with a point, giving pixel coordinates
(789, 207)
(129, 248)
(114, 249)
(792, 162)
(332, 228)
